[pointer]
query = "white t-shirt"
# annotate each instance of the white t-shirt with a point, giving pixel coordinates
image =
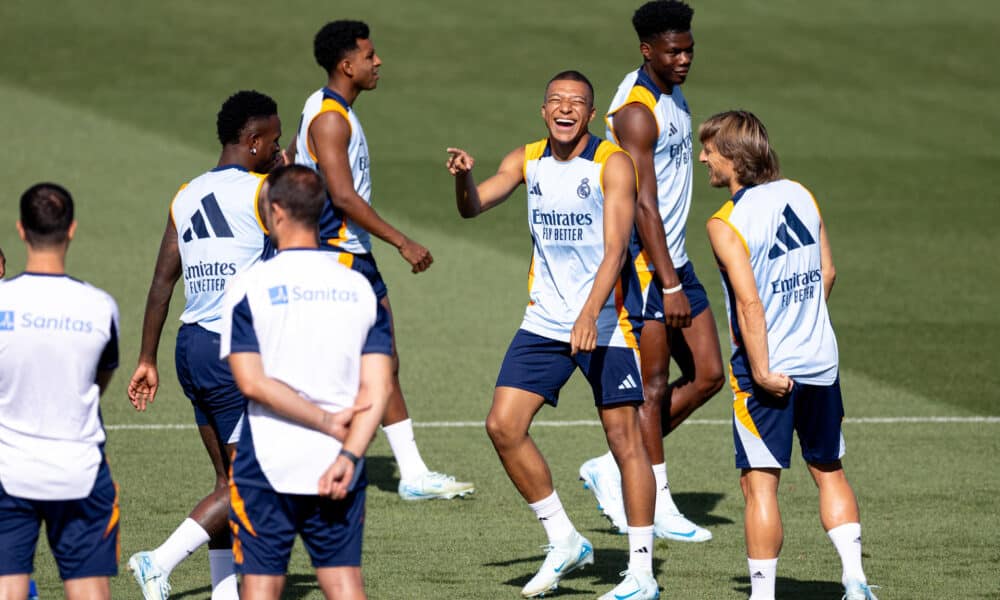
(56, 333)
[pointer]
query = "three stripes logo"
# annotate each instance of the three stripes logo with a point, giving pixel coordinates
(673, 129)
(628, 383)
(536, 190)
(212, 212)
(792, 225)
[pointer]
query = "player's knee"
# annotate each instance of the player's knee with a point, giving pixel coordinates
(502, 432)
(654, 391)
(709, 382)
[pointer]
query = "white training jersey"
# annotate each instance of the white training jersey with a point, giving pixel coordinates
(335, 229)
(219, 234)
(56, 333)
(779, 223)
(310, 319)
(671, 156)
(566, 220)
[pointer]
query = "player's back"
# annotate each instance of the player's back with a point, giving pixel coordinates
(335, 229)
(671, 154)
(303, 308)
(56, 333)
(219, 234)
(566, 220)
(779, 223)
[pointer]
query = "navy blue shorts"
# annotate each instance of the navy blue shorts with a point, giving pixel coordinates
(82, 534)
(763, 425)
(697, 296)
(208, 382)
(542, 366)
(264, 524)
(364, 264)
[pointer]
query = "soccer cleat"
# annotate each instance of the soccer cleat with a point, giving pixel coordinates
(560, 560)
(600, 475)
(151, 579)
(432, 485)
(855, 590)
(675, 526)
(637, 585)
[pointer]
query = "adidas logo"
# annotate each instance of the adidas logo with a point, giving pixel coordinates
(643, 550)
(628, 383)
(673, 129)
(792, 225)
(758, 575)
(858, 541)
(536, 190)
(211, 211)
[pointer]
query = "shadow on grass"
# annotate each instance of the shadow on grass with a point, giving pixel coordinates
(698, 507)
(787, 587)
(382, 473)
(202, 592)
(296, 586)
(605, 572)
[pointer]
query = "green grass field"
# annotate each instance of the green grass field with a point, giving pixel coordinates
(885, 110)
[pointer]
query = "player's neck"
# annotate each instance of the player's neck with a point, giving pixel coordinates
(296, 237)
(233, 155)
(343, 87)
(734, 188)
(665, 86)
(564, 152)
(47, 262)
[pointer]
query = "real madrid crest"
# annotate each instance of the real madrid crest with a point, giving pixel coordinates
(583, 190)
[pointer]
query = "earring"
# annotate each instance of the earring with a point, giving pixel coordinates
(253, 151)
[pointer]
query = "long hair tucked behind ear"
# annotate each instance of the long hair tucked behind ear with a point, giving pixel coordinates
(742, 138)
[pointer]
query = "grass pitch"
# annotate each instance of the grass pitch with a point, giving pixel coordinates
(883, 110)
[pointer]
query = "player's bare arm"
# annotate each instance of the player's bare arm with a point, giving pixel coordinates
(146, 380)
(732, 256)
(636, 131)
(329, 135)
(619, 215)
(472, 199)
(374, 388)
(288, 154)
(248, 371)
(826, 261)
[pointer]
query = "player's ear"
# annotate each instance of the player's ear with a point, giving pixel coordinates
(71, 231)
(593, 112)
(646, 50)
(20, 231)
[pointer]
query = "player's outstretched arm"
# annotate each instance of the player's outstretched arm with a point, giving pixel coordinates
(374, 389)
(473, 200)
(826, 261)
(636, 131)
(732, 256)
(329, 135)
(619, 216)
(145, 380)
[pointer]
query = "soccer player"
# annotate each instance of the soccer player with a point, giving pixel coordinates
(213, 232)
(278, 321)
(331, 141)
(650, 118)
(777, 273)
(59, 343)
(581, 314)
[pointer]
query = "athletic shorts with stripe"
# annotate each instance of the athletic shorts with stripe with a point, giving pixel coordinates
(82, 534)
(763, 426)
(542, 366)
(208, 382)
(364, 264)
(652, 296)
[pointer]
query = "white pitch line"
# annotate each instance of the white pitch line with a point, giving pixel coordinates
(595, 423)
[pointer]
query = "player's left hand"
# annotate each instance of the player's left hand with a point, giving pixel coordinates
(336, 424)
(334, 481)
(143, 385)
(778, 385)
(583, 336)
(459, 161)
(418, 256)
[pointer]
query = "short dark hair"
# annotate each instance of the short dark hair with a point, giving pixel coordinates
(46, 214)
(300, 191)
(335, 39)
(572, 75)
(741, 137)
(238, 110)
(661, 16)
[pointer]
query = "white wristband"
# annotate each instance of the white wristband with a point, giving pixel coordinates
(674, 289)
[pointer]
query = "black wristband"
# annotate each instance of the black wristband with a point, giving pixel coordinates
(350, 456)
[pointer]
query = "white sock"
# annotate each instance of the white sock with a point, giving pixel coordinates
(846, 539)
(553, 517)
(404, 448)
(762, 575)
(223, 571)
(187, 538)
(640, 548)
(664, 501)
